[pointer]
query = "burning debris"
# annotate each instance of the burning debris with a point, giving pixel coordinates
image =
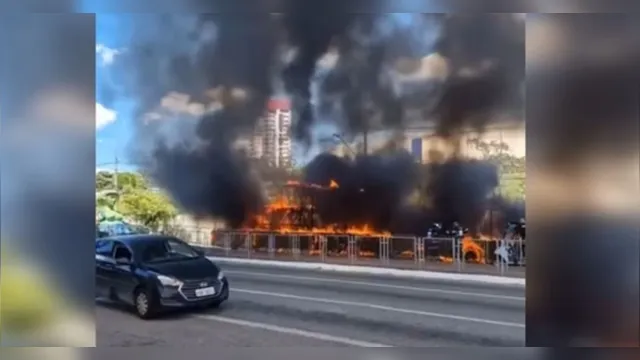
(360, 72)
(294, 211)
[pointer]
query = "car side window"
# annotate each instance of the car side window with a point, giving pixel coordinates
(104, 248)
(121, 252)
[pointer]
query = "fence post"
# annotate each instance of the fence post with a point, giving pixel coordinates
(294, 240)
(352, 248)
(271, 245)
(384, 250)
(420, 248)
(416, 252)
(227, 242)
(456, 248)
(323, 248)
(248, 244)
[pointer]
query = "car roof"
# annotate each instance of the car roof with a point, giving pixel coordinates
(134, 239)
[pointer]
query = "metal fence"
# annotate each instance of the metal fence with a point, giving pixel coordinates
(405, 252)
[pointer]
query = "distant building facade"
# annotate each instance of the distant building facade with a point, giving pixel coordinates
(271, 140)
(416, 149)
(424, 144)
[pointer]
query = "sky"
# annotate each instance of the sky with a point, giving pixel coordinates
(113, 125)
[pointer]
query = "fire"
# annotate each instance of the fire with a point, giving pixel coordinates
(296, 215)
(472, 250)
(293, 213)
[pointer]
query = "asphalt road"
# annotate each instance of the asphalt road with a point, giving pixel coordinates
(272, 307)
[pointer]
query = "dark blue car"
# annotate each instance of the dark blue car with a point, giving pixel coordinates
(157, 272)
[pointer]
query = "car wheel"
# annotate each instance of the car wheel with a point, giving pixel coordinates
(145, 304)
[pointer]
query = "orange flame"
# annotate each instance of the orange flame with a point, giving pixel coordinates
(277, 216)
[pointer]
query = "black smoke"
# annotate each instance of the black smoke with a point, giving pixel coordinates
(222, 63)
(485, 56)
(372, 189)
(239, 63)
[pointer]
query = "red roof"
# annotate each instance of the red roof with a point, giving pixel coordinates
(279, 104)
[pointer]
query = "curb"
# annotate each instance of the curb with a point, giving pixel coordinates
(370, 270)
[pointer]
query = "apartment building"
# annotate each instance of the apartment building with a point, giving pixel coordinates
(271, 140)
(422, 142)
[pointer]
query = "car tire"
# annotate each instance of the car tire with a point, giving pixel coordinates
(145, 304)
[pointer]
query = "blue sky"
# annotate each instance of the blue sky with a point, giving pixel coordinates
(113, 123)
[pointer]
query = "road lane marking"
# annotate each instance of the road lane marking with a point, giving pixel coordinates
(291, 331)
(387, 286)
(380, 307)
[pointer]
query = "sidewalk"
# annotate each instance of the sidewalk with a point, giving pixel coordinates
(395, 267)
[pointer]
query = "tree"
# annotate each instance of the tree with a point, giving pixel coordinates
(150, 208)
(126, 180)
(134, 199)
(131, 181)
(511, 169)
(104, 180)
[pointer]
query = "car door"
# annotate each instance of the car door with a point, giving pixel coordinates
(123, 274)
(104, 266)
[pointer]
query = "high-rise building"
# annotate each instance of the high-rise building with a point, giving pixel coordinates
(416, 149)
(272, 138)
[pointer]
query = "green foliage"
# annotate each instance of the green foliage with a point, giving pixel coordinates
(105, 201)
(150, 208)
(511, 169)
(104, 180)
(512, 187)
(126, 181)
(135, 199)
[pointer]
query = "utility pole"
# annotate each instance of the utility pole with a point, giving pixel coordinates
(346, 145)
(365, 140)
(115, 175)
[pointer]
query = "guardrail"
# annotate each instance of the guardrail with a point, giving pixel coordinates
(397, 251)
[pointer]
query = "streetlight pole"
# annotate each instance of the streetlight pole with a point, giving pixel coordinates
(344, 142)
(365, 139)
(115, 175)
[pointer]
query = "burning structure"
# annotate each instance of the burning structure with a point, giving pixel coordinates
(295, 210)
(358, 72)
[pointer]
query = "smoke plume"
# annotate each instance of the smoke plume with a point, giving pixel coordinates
(452, 73)
(359, 72)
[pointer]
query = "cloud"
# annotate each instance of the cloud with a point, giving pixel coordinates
(104, 169)
(107, 55)
(179, 105)
(104, 116)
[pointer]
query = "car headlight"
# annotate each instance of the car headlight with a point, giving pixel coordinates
(169, 281)
(220, 275)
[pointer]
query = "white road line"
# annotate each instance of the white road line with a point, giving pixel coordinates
(378, 285)
(380, 307)
(291, 331)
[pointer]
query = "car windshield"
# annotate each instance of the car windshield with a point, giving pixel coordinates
(167, 250)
